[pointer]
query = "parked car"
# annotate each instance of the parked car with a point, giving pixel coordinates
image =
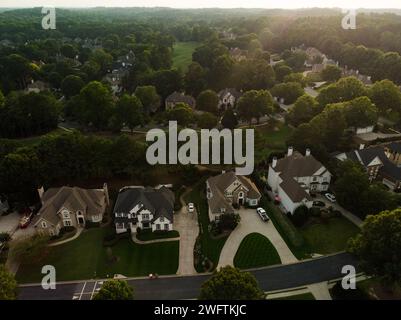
(331, 197)
(318, 203)
(262, 214)
(191, 207)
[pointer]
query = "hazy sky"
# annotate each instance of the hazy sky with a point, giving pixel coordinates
(207, 3)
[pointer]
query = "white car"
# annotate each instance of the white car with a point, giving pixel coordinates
(331, 197)
(191, 207)
(262, 214)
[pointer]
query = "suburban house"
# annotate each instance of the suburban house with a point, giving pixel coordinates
(115, 79)
(380, 162)
(294, 177)
(70, 207)
(228, 189)
(177, 97)
(37, 86)
(227, 98)
(144, 208)
(237, 54)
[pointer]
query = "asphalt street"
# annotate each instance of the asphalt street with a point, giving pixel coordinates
(187, 287)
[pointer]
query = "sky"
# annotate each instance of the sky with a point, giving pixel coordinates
(287, 4)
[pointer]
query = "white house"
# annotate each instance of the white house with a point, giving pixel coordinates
(144, 208)
(295, 176)
(227, 98)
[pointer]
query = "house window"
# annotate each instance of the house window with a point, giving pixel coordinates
(314, 179)
(161, 219)
(67, 223)
(166, 226)
(120, 225)
(44, 224)
(157, 226)
(145, 216)
(146, 225)
(66, 214)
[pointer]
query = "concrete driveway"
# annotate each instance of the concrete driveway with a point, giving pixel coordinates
(9, 223)
(251, 222)
(187, 225)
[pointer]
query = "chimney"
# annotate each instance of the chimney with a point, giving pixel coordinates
(106, 193)
(223, 171)
(307, 152)
(290, 150)
(361, 146)
(274, 162)
(41, 191)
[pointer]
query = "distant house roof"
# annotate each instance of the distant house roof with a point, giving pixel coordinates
(89, 201)
(177, 97)
(158, 201)
(234, 92)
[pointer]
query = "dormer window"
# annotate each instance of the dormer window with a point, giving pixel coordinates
(161, 219)
(44, 224)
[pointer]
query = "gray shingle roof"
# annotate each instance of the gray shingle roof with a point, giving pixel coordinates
(177, 97)
(158, 201)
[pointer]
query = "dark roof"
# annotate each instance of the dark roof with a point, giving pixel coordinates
(177, 97)
(395, 147)
(292, 188)
(298, 165)
(158, 201)
(365, 157)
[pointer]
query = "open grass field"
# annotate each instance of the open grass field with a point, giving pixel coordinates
(87, 258)
(182, 54)
(256, 251)
(330, 237)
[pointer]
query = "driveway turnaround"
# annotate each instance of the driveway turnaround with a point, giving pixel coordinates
(251, 222)
(188, 287)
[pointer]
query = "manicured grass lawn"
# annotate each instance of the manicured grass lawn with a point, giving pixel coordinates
(256, 251)
(210, 247)
(148, 235)
(268, 140)
(182, 54)
(86, 258)
(303, 296)
(330, 237)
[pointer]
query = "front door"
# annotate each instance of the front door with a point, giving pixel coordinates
(241, 198)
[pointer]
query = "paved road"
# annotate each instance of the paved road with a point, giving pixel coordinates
(187, 287)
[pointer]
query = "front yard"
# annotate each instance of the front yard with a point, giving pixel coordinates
(256, 251)
(87, 258)
(329, 236)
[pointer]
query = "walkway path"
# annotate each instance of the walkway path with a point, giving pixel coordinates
(136, 240)
(251, 222)
(76, 235)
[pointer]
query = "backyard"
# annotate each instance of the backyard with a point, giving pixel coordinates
(256, 251)
(182, 54)
(87, 258)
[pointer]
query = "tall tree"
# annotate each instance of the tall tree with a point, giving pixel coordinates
(71, 85)
(115, 290)
(129, 111)
(207, 101)
(378, 246)
(149, 98)
(8, 285)
(231, 284)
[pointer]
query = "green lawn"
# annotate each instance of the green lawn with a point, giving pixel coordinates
(149, 235)
(210, 247)
(330, 237)
(303, 296)
(256, 251)
(86, 258)
(182, 54)
(268, 140)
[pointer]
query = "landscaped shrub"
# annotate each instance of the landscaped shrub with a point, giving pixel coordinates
(315, 212)
(229, 221)
(300, 216)
(90, 224)
(4, 237)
